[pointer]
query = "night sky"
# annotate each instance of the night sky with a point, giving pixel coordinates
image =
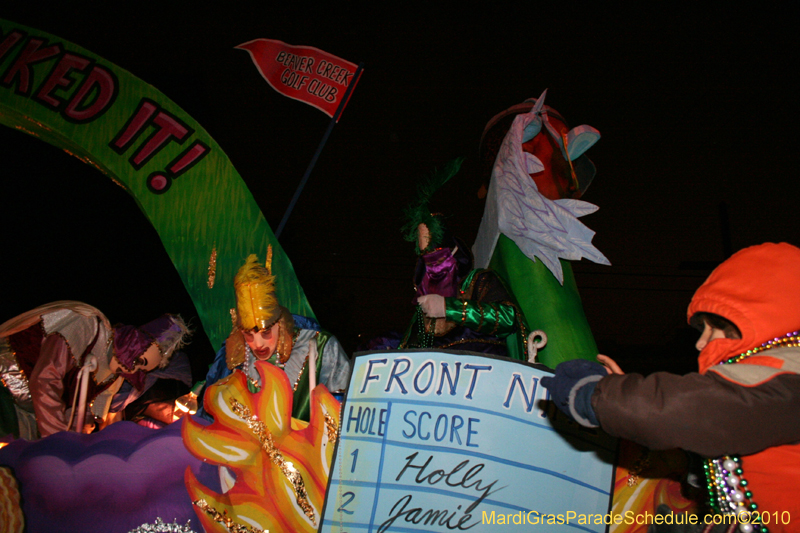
(697, 112)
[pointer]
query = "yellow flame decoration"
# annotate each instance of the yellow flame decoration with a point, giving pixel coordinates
(280, 473)
(294, 476)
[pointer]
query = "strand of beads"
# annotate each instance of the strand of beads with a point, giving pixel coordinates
(728, 491)
(253, 380)
(790, 339)
(425, 336)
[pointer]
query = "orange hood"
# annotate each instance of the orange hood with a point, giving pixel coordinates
(758, 289)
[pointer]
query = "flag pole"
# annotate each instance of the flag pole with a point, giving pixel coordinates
(332, 123)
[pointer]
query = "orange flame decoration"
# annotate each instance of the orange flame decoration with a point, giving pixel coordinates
(649, 479)
(11, 517)
(281, 464)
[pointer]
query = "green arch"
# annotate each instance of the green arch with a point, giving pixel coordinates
(178, 175)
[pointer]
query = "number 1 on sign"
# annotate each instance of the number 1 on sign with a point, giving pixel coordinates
(355, 459)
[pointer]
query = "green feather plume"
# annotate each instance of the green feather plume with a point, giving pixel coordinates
(418, 211)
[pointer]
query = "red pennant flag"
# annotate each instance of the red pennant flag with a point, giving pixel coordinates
(304, 73)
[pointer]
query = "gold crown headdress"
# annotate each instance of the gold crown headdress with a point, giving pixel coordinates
(256, 303)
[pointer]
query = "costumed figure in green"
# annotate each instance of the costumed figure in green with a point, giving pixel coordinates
(459, 308)
(263, 330)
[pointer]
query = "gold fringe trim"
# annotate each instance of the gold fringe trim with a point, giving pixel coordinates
(268, 445)
(467, 341)
(332, 427)
(300, 375)
(224, 519)
(286, 337)
(212, 267)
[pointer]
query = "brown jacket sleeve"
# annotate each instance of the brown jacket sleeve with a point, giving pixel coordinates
(47, 385)
(705, 414)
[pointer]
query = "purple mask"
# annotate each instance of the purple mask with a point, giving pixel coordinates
(441, 270)
(168, 331)
(129, 343)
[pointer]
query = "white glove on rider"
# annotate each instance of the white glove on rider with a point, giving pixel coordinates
(432, 305)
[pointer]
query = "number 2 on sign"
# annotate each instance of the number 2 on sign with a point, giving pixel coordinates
(347, 497)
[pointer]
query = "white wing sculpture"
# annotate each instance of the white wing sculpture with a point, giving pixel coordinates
(541, 227)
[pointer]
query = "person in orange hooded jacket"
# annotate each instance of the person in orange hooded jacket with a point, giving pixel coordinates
(740, 411)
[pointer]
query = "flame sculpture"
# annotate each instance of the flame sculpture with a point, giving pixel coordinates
(644, 480)
(281, 465)
(11, 517)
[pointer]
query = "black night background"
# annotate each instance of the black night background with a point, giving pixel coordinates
(697, 111)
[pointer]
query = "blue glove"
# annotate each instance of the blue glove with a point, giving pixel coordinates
(571, 389)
